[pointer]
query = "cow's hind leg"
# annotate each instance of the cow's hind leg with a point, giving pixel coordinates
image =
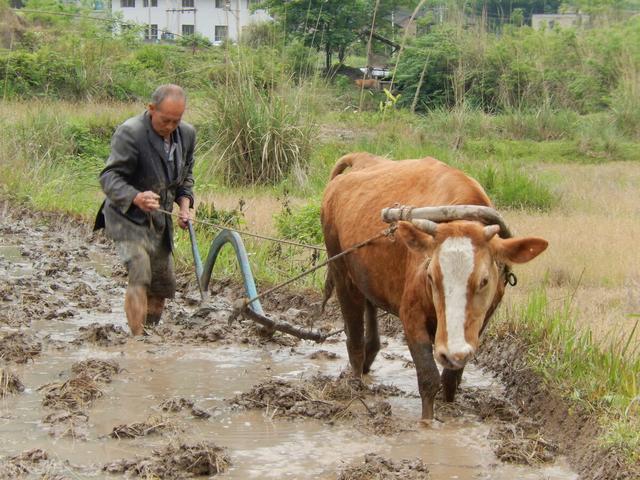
(352, 304)
(450, 380)
(372, 340)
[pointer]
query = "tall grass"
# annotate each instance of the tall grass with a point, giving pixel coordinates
(606, 381)
(263, 133)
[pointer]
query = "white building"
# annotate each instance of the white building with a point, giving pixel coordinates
(215, 19)
(555, 20)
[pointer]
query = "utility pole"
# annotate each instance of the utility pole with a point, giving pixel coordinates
(238, 22)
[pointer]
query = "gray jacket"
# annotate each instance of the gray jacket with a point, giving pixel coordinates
(138, 163)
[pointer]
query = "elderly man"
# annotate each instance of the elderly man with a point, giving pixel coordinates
(150, 167)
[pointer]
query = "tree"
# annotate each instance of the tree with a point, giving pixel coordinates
(328, 25)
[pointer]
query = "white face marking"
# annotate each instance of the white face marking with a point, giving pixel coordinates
(456, 264)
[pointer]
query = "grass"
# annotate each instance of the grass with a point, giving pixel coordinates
(602, 379)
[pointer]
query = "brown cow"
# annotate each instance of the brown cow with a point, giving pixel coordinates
(370, 83)
(443, 280)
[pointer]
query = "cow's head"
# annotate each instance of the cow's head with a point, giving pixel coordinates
(462, 263)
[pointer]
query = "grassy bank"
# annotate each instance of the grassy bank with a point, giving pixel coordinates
(600, 380)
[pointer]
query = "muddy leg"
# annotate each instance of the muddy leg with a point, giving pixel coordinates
(135, 306)
(372, 341)
(428, 376)
(450, 381)
(352, 306)
(154, 310)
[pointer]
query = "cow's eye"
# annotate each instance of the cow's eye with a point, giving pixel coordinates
(483, 283)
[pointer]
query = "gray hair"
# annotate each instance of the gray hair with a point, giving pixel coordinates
(169, 90)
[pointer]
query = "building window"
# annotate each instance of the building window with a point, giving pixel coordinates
(151, 32)
(221, 3)
(188, 30)
(127, 3)
(145, 3)
(221, 33)
(188, 3)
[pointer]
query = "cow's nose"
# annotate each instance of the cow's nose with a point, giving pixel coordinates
(454, 360)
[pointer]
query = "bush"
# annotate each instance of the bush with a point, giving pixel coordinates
(300, 60)
(263, 136)
(263, 34)
(196, 40)
(301, 224)
(514, 188)
(522, 69)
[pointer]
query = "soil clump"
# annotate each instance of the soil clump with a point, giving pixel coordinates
(61, 424)
(328, 399)
(81, 389)
(9, 383)
(102, 335)
(30, 463)
(141, 429)
(175, 462)
(19, 347)
(380, 468)
(97, 370)
(179, 404)
(72, 395)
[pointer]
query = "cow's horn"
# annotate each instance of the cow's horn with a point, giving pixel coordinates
(427, 226)
(447, 213)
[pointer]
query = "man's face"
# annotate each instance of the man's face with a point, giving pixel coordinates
(166, 116)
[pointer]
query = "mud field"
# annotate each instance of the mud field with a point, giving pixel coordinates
(198, 396)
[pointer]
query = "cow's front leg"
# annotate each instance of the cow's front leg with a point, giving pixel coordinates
(428, 375)
(450, 381)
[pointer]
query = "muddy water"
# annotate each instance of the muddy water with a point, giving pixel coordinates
(259, 444)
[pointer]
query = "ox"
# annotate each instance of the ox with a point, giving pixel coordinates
(444, 280)
(370, 83)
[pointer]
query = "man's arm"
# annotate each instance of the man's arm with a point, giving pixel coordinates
(184, 192)
(120, 167)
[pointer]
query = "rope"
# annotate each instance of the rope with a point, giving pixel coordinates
(385, 233)
(263, 237)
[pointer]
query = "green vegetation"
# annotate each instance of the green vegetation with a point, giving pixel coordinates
(579, 70)
(263, 135)
(601, 380)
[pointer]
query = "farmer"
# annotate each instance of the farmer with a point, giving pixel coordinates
(150, 167)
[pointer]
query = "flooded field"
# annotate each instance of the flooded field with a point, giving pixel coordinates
(198, 396)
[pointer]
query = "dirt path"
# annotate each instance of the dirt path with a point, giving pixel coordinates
(201, 397)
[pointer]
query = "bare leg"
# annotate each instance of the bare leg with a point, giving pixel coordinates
(135, 306)
(154, 311)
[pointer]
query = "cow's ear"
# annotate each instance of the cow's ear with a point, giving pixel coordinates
(414, 239)
(521, 250)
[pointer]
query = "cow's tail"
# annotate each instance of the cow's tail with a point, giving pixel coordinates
(357, 161)
(329, 286)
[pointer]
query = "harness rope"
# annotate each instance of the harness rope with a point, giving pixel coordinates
(264, 237)
(387, 232)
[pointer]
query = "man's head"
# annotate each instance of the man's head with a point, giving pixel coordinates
(166, 108)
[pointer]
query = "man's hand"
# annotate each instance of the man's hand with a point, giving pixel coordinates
(147, 201)
(184, 216)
